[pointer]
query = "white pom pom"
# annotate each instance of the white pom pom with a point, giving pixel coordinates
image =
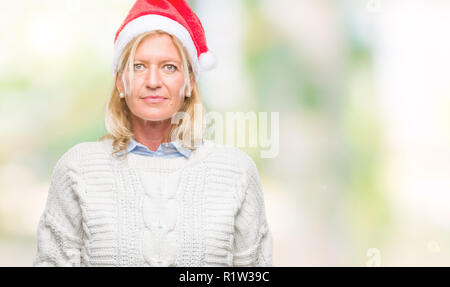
(208, 61)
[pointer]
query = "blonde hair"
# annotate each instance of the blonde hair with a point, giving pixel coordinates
(187, 128)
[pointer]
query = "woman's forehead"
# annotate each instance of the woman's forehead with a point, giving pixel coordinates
(159, 47)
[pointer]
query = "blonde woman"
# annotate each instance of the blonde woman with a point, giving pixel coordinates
(153, 191)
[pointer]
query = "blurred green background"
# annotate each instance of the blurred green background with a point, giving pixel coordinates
(362, 177)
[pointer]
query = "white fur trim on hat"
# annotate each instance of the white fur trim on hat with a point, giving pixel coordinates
(154, 22)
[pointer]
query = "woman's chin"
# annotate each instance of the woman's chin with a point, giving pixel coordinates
(155, 117)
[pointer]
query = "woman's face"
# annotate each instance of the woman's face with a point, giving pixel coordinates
(158, 79)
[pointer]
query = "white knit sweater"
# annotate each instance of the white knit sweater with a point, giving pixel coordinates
(207, 210)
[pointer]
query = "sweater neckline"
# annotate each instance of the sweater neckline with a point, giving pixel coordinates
(139, 161)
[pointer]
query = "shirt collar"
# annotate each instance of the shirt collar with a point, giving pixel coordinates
(174, 145)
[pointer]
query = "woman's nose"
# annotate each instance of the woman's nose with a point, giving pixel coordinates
(153, 78)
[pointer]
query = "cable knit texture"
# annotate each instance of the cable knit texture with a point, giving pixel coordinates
(205, 210)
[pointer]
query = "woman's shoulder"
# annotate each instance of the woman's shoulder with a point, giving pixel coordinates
(80, 152)
(231, 154)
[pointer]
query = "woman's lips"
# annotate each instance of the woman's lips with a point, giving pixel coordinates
(154, 99)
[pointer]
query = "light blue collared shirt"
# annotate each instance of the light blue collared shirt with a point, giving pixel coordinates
(167, 150)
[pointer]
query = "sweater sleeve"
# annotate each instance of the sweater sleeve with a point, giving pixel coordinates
(252, 238)
(59, 232)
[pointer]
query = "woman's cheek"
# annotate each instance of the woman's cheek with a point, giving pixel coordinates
(172, 102)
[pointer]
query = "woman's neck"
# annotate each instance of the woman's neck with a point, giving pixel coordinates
(151, 133)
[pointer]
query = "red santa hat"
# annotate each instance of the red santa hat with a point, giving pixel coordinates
(174, 17)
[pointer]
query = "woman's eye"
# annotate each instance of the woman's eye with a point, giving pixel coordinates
(170, 68)
(138, 66)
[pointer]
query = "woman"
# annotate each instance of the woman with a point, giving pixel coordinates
(153, 192)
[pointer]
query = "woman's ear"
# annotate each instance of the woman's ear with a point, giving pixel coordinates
(192, 82)
(119, 84)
